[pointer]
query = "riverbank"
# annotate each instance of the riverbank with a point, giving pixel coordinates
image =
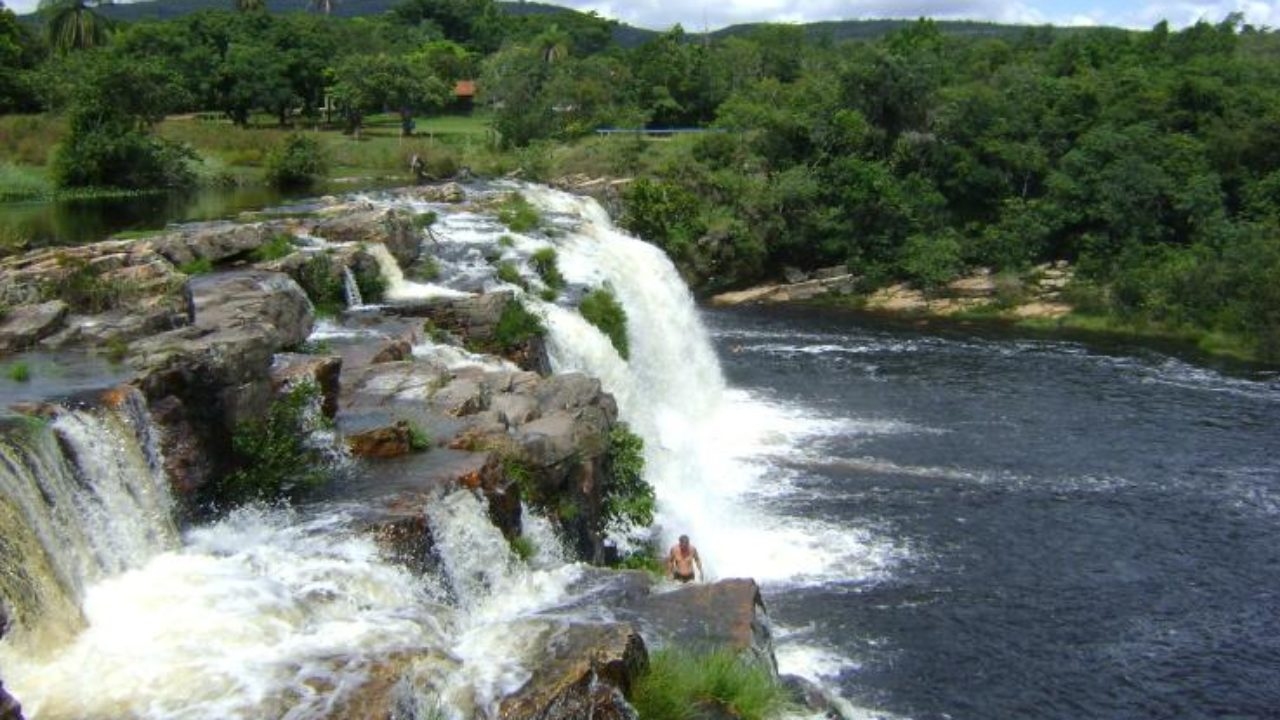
(1044, 301)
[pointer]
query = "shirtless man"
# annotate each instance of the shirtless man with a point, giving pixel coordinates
(681, 560)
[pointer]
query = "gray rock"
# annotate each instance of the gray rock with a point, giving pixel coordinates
(390, 227)
(218, 242)
(25, 325)
(271, 303)
(794, 275)
(288, 369)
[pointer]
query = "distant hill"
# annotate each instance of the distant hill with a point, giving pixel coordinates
(625, 35)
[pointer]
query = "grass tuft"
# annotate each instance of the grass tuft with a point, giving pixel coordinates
(685, 685)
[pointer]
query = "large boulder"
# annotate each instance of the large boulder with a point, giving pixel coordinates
(322, 371)
(25, 325)
(219, 243)
(475, 319)
(727, 613)
(393, 228)
(581, 672)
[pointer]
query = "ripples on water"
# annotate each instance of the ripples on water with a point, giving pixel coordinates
(1079, 534)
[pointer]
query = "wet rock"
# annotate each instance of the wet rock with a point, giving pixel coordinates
(25, 325)
(9, 707)
(391, 227)
(382, 442)
(395, 349)
(794, 275)
(146, 317)
(580, 672)
(807, 694)
(450, 192)
(323, 371)
(270, 302)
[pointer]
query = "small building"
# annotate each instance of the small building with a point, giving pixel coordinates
(464, 97)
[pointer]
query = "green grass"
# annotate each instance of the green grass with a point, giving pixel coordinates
(199, 266)
(419, 440)
(509, 273)
(137, 234)
(600, 308)
(23, 182)
(687, 685)
(518, 214)
(523, 547)
(19, 371)
(544, 262)
(280, 245)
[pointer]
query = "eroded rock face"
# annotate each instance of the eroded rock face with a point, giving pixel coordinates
(323, 371)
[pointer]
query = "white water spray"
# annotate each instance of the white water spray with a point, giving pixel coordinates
(704, 444)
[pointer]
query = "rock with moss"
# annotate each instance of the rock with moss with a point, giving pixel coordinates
(579, 670)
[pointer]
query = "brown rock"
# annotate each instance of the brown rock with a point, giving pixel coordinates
(394, 350)
(393, 228)
(581, 673)
(287, 369)
(382, 442)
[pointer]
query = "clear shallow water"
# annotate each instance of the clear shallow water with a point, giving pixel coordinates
(1077, 534)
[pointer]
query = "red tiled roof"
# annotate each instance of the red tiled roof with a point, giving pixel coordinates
(465, 88)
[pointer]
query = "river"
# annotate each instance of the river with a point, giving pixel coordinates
(1075, 532)
(944, 524)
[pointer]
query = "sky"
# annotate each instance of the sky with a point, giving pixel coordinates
(695, 15)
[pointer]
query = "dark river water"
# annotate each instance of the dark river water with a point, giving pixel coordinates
(1086, 533)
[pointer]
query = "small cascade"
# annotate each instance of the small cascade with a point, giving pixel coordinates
(82, 496)
(400, 289)
(351, 288)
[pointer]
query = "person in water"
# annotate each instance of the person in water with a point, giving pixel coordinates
(682, 559)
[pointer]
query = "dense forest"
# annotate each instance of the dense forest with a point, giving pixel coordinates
(1149, 160)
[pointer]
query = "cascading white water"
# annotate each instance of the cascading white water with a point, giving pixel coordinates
(398, 287)
(351, 288)
(703, 442)
(85, 498)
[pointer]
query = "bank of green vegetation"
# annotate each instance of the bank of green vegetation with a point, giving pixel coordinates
(1149, 160)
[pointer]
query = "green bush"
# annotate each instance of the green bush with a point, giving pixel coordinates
(509, 273)
(280, 245)
(602, 309)
(271, 458)
(419, 440)
(687, 685)
(424, 220)
(627, 497)
(121, 157)
(373, 287)
(518, 214)
(320, 278)
(930, 260)
(544, 262)
(298, 162)
(516, 326)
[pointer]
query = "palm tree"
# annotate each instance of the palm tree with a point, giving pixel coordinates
(553, 44)
(250, 5)
(73, 25)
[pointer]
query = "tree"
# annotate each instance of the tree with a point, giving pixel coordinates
(17, 57)
(371, 83)
(114, 103)
(250, 5)
(74, 25)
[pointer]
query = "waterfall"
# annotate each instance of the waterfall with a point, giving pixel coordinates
(400, 289)
(351, 288)
(82, 496)
(702, 441)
